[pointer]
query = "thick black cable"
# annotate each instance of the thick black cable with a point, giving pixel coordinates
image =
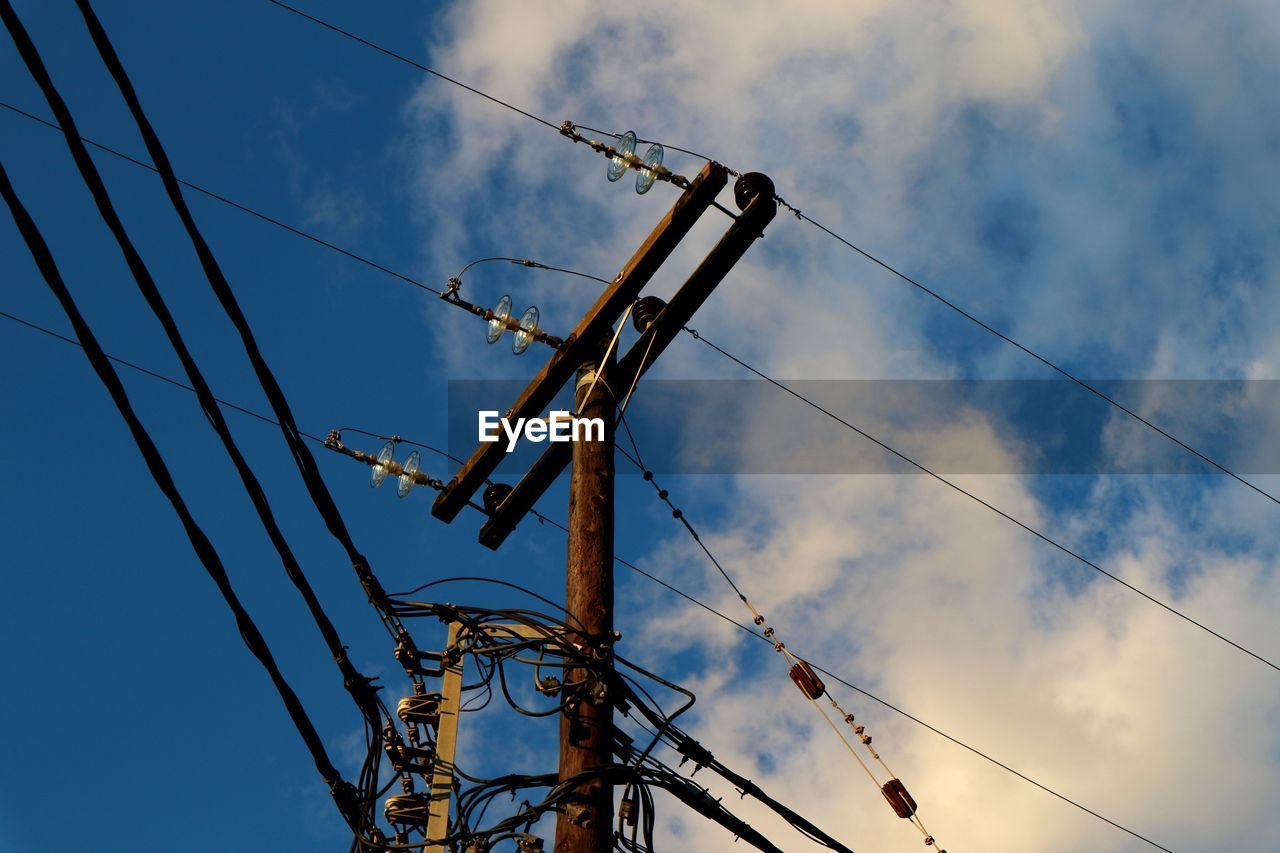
(545, 520)
(343, 792)
(303, 458)
(359, 686)
(356, 683)
(1034, 532)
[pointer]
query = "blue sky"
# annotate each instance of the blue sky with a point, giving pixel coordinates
(1091, 179)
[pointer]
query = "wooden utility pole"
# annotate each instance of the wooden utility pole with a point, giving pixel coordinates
(584, 823)
(586, 730)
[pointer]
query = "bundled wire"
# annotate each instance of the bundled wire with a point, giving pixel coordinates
(549, 645)
(544, 520)
(302, 456)
(344, 794)
(359, 686)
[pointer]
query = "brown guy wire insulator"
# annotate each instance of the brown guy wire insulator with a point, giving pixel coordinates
(802, 674)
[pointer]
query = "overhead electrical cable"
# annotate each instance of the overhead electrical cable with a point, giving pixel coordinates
(801, 216)
(408, 279)
(359, 686)
(630, 566)
(243, 208)
(343, 792)
(801, 672)
(950, 484)
(303, 459)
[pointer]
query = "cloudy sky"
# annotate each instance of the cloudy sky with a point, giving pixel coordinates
(1092, 179)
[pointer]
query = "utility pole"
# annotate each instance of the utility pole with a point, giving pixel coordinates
(584, 823)
(586, 729)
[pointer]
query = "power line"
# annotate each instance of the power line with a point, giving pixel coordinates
(542, 519)
(1037, 356)
(803, 217)
(243, 208)
(358, 685)
(854, 247)
(418, 65)
(343, 792)
(410, 280)
(545, 520)
(304, 461)
(1033, 531)
(801, 673)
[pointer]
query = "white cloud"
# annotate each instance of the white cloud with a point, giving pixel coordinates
(1087, 175)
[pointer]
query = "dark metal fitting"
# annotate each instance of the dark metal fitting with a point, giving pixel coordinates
(408, 809)
(581, 815)
(646, 310)
(494, 495)
(420, 709)
(627, 810)
(749, 186)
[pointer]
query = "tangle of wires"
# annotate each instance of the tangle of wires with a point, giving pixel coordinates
(543, 664)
